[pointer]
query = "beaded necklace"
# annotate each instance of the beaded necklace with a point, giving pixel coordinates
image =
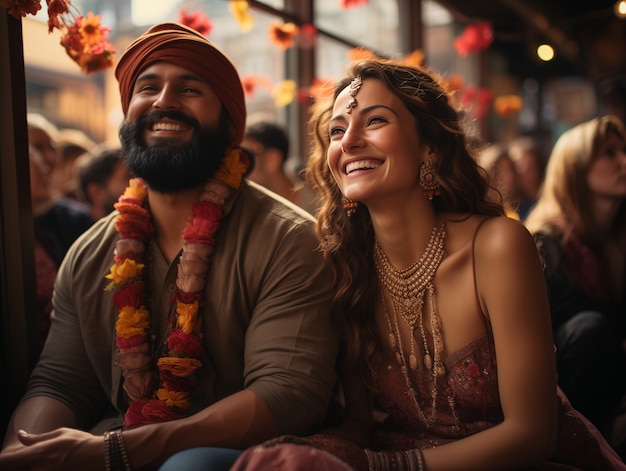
(407, 290)
(159, 383)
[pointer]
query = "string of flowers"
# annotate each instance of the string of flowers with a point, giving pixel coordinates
(161, 392)
(84, 38)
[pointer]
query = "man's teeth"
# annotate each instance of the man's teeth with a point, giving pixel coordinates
(167, 127)
(361, 164)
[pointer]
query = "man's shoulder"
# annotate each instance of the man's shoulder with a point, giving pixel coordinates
(256, 200)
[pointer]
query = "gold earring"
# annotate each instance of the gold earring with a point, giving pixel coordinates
(428, 179)
(349, 206)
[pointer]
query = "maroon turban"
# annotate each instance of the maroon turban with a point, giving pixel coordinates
(186, 48)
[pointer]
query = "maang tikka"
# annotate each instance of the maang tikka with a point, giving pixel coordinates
(428, 179)
(355, 85)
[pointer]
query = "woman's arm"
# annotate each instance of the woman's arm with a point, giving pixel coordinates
(512, 293)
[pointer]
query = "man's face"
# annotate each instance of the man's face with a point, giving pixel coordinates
(173, 136)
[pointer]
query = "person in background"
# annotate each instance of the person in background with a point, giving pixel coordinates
(269, 144)
(530, 168)
(102, 178)
(61, 219)
(447, 359)
(579, 225)
(193, 321)
(497, 161)
(45, 251)
(71, 144)
(43, 136)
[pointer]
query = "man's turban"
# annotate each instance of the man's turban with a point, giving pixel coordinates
(186, 48)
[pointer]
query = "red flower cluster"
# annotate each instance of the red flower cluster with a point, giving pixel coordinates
(83, 37)
(475, 38)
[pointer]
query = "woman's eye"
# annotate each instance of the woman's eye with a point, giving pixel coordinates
(335, 131)
(376, 120)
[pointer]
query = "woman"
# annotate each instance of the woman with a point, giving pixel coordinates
(579, 224)
(448, 359)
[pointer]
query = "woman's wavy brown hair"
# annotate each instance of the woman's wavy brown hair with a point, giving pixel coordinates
(347, 243)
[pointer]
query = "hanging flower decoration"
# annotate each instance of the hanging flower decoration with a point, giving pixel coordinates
(414, 59)
(308, 36)
(321, 89)
(84, 38)
(251, 83)
(283, 35)
(360, 53)
(240, 9)
(475, 38)
(284, 92)
(346, 4)
(197, 21)
(476, 100)
(508, 105)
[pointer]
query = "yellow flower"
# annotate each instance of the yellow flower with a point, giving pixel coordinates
(129, 269)
(240, 11)
(131, 322)
(284, 92)
(136, 189)
(187, 316)
(90, 29)
(174, 398)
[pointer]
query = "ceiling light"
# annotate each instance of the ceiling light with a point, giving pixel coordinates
(620, 9)
(545, 52)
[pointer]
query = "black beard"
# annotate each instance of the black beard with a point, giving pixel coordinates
(167, 168)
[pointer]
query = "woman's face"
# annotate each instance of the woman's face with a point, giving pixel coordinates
(374, 149)
(606, 176)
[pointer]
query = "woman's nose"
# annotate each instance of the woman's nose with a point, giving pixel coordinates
(351, 140)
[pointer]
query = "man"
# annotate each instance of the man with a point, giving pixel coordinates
(102, 178)
(269, 143)
(224, 344)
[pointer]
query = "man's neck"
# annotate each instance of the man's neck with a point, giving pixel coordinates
(170, 213)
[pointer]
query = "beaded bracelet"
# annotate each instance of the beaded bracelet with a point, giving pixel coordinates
(408, 460)
(115, 454)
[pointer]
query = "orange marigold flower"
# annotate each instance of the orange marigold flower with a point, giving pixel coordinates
(414, 59)
(91, 30)
(240, 11)
(132, 321)
(125, 271)
(187, 316)
(360, 53)
(322, 89)
(283, 35)
(177, 399)
(232, 170)
(19, 8)
(181, 367)
(136, 189)
(508, 105)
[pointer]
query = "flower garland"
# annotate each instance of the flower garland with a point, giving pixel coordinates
(167, 400)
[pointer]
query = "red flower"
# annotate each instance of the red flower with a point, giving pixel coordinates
(172, 382)
(19, 8)
(131, 294)
(188, 298)
(475, 38)
(283, 35)
(129, 342)
(196, 20)
(345, 4)
(189, 345)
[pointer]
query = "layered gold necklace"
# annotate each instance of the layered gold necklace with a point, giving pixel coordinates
(407, 291)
